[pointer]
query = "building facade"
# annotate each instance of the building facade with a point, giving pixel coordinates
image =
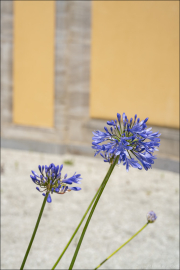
(66, 66)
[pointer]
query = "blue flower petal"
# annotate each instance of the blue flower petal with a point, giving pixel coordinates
(75, 188)
(49, 200)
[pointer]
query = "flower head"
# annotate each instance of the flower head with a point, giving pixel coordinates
(151, 217)
(131, 140)
(50, 180)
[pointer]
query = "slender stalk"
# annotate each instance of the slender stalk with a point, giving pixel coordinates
(92, 211)
(121, 246)
(76, 229)
(34, 232)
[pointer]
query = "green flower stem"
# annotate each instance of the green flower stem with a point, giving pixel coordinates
(121, 246)
(76, 229)
(92, 211)
(34, 232)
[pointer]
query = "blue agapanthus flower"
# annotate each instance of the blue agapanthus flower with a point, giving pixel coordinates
(50, 180)
(131, 140)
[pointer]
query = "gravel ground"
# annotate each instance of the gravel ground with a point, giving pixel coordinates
(120, 213)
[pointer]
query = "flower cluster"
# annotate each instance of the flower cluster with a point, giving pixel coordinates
(131, 140)
(151, 217)
(50, 180)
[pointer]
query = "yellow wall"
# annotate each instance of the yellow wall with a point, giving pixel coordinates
(135, 60)
(33, 65)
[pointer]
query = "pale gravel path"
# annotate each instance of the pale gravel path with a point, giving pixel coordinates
(120, 213)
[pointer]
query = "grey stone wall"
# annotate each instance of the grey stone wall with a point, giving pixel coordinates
(73, 127)
(73, 29)
(6, 61)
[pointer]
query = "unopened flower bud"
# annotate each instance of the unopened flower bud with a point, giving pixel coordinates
(151, 217)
